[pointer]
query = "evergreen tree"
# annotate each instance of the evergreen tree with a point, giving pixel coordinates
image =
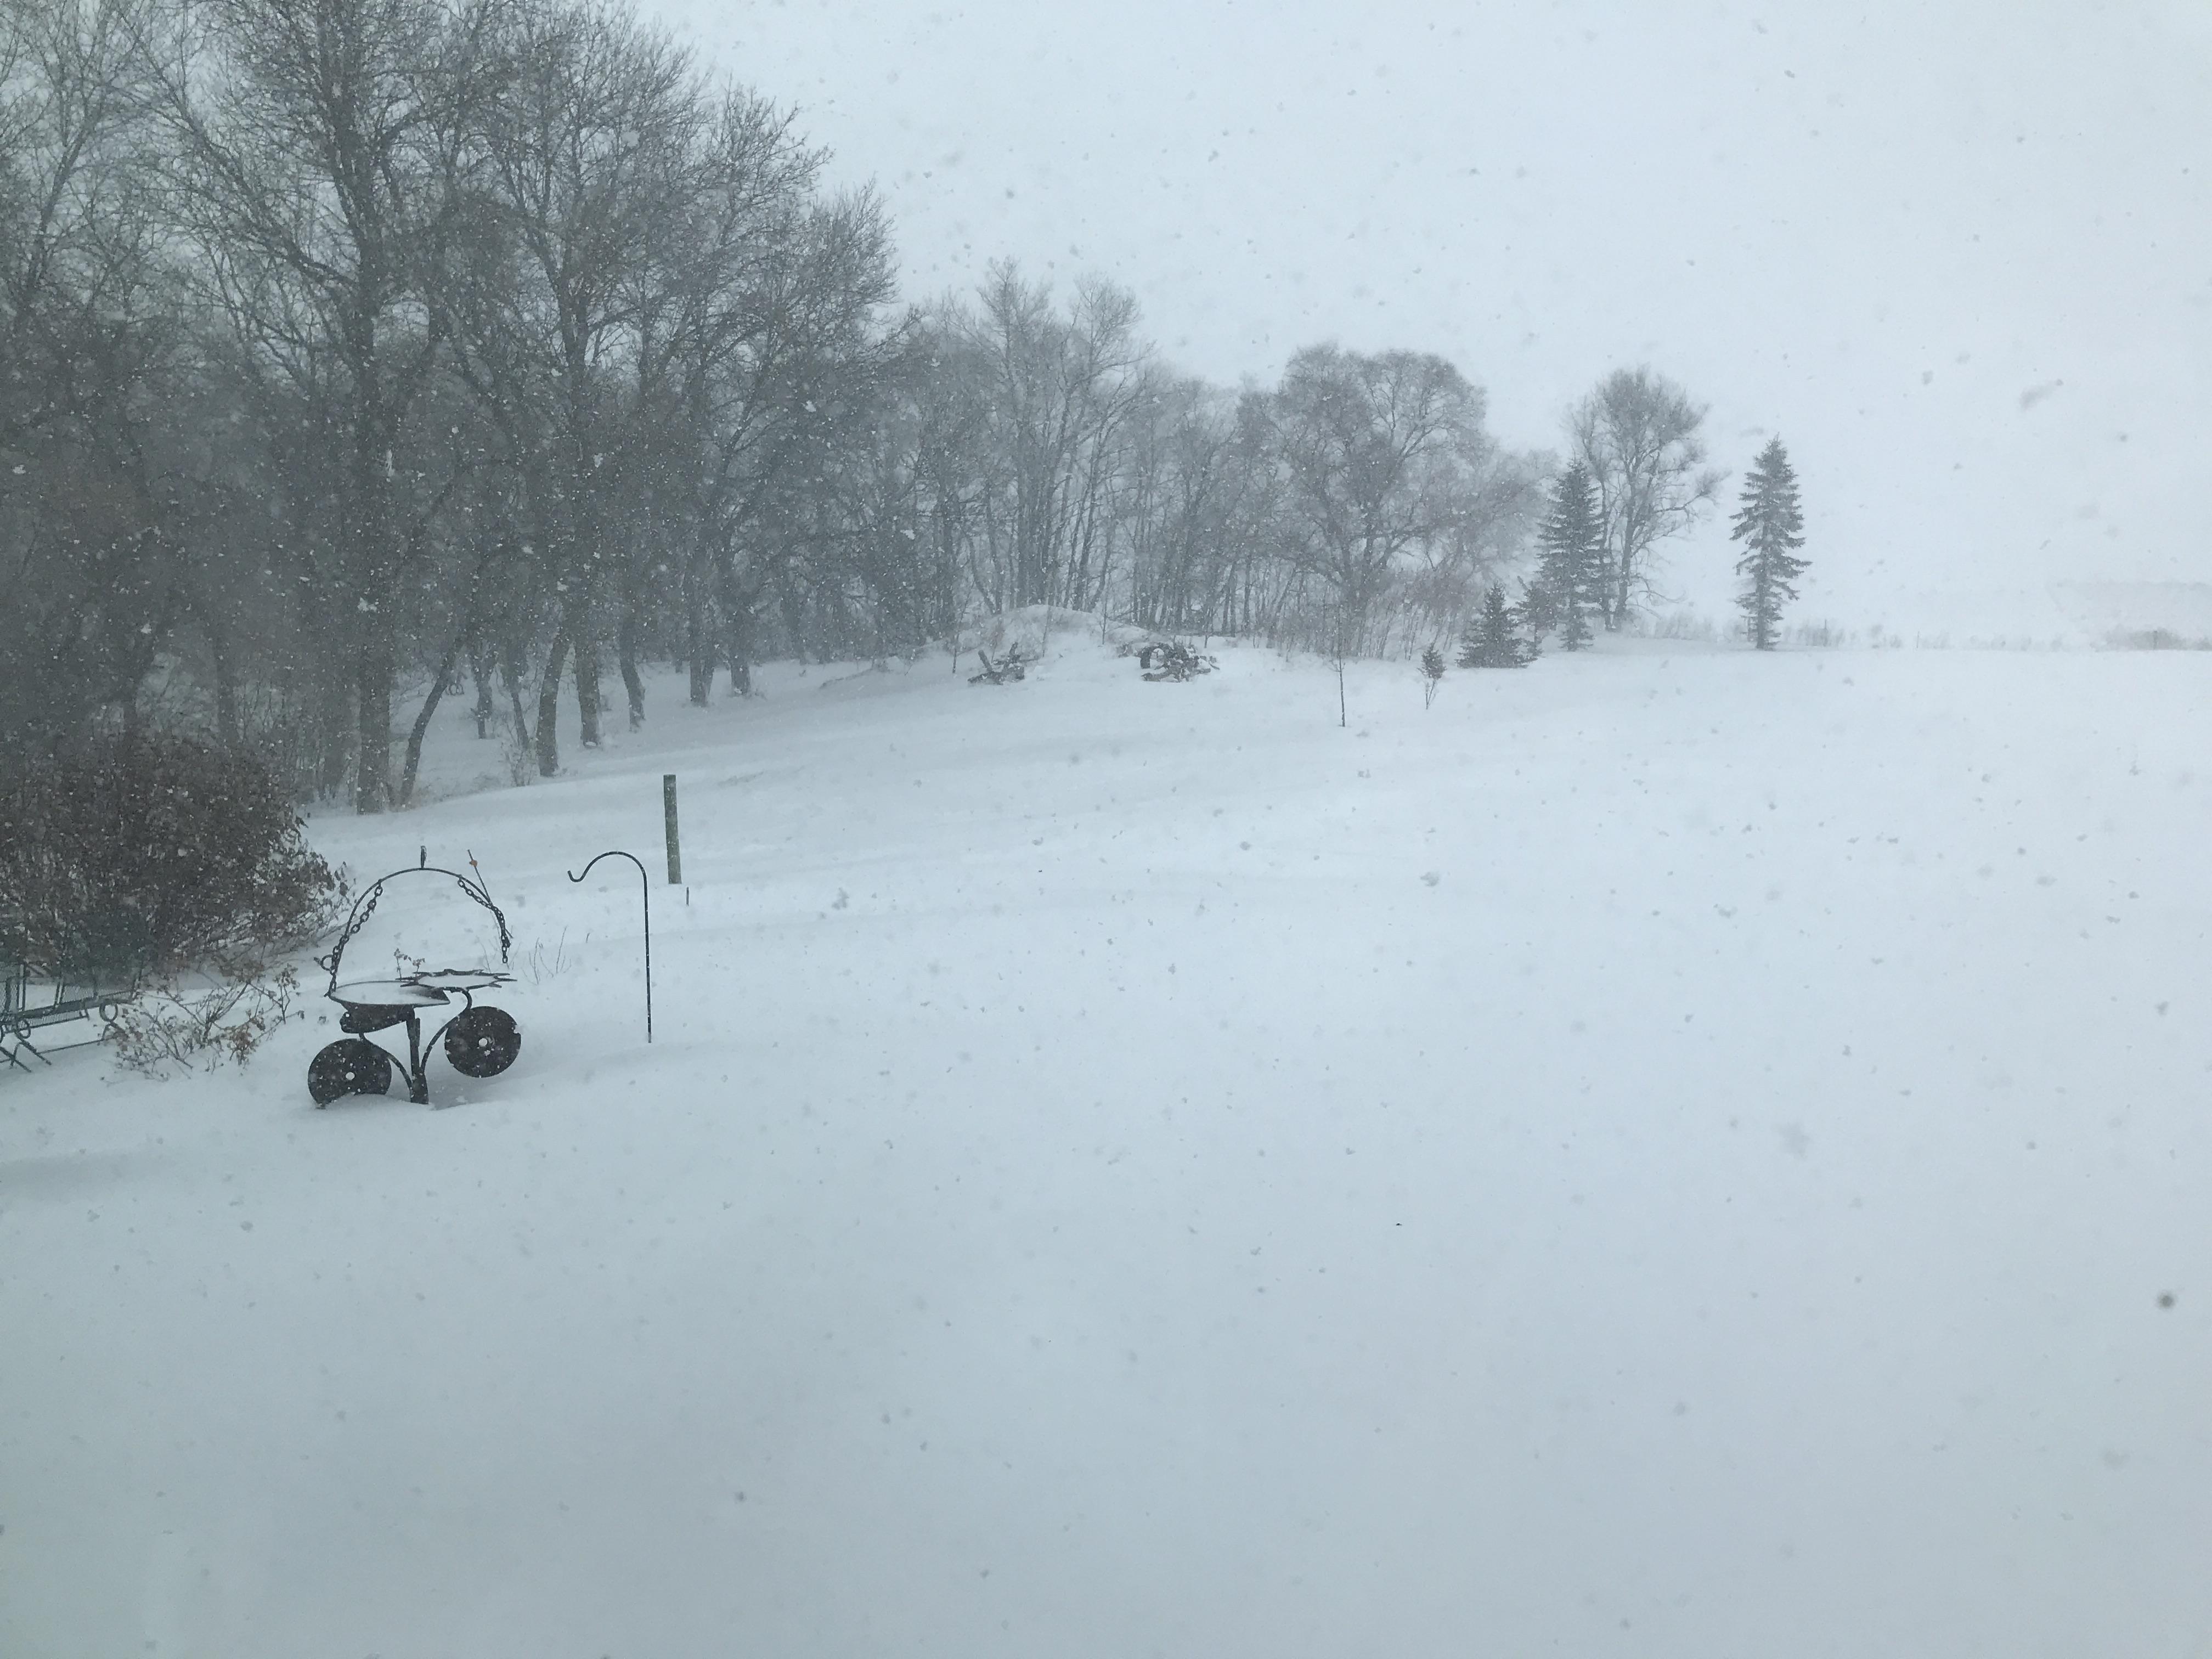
(1538, 611)
(1770, 525)
(1521, 622)
(1490, 639)
(1432, 674)
(1573, 565)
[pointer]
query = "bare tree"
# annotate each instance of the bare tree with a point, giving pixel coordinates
(90, 352)
(1497, 497)
(319, 153)
(590, 151)
(1181, 435)
(1372, 451)
(787, 354)
(1060, 388)
(952, 418)
(1638, 435)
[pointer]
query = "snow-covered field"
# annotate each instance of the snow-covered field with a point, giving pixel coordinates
(1669, 1153)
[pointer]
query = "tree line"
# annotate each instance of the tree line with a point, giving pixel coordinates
(356, 355)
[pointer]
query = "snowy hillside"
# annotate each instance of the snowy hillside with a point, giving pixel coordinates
(1666, 1153)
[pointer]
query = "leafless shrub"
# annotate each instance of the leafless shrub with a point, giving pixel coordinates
(542, 964)
(1816, 636)
(170, 1027)
(138, 857)
(1678, 624)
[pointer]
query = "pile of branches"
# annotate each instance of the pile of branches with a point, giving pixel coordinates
(1013, 665)
(1171, 660)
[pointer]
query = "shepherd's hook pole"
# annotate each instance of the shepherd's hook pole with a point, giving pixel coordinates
(645, 894)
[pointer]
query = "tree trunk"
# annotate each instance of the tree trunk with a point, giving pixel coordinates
(511, 671)
(548, 743)
(226, 686)
(371, 791)
(701, 667)
(480, 669)
(794, 625)
(373, 569)
(626, 655)
(336, 722)
(698, 653)
(446, 671)
(740, 642)
(583, 632)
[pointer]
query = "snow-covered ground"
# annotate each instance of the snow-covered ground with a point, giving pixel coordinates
(1669, 1153)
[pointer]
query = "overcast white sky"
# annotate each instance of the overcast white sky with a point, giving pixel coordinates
(1959, 255)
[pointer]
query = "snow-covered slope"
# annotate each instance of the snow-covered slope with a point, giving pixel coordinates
(1667, 1154)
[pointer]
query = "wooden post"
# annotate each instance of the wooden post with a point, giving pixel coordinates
(668, 812)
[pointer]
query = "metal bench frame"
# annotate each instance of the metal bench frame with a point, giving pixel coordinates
(28, 1005)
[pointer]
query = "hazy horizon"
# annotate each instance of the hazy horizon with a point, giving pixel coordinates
(1960, 262)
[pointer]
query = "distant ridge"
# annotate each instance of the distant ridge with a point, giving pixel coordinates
(2133, 612)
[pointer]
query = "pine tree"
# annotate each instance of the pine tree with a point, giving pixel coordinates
(1573, 556)
(1432, 674)
(1770, 525)
(1490, 640)
(1521, 622)
(1538, 611)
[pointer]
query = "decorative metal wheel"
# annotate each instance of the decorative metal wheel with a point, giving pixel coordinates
(483, 1042)
(354, 1066)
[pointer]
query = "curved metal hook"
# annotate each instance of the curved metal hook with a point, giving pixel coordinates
(645, 894)
(612, 853)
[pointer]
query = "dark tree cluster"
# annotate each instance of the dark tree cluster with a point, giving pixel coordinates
(360, 355)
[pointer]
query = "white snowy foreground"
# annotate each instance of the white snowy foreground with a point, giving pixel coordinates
(1669, 1153)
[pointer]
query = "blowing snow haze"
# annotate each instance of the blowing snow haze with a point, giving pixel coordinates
(1959, 257)
(1255, 1050)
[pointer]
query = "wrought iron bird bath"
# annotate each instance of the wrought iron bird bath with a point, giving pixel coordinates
(480, 1041)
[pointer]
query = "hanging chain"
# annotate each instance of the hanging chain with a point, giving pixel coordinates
(365, 907)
